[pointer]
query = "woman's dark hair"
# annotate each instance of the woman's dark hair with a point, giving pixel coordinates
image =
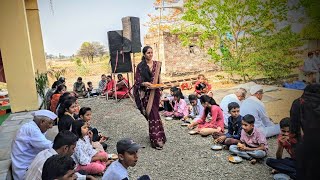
(76, 127)
(63, 138)
(57, 166)
(248, 119)
(177, 94)
(285, 122)
(145, 71)
(109, 76)
(173, 89)
(208, 99)
(84, 110)
(63, 97)
(89, 82)
(59, 88)
(65, 105)
(192, 97)
(233, 105)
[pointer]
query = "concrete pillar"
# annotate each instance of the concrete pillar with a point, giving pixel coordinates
(17, 55)
(35, 35)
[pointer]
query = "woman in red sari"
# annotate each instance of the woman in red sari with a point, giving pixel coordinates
(122, 87)
(148, 98)
(108, 89)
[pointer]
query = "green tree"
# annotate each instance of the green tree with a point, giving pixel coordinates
(89, 50)
(245, 34)
(312, 28)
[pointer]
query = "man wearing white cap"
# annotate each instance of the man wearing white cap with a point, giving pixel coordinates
(254, 106)
(29, 141)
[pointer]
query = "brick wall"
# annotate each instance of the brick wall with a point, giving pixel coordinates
(179, 59)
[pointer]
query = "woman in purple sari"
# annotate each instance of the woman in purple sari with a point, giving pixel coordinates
(148, 98)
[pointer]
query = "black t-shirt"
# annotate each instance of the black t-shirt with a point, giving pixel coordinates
(65, 122)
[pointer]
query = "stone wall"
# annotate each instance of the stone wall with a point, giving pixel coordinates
(179, 59)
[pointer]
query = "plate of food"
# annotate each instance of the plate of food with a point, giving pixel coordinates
(185, 124)
(235, 159)
(168, 118)
(157, 85)
(216, 147)
(192, 132)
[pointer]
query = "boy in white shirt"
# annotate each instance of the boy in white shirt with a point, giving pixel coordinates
(128, 157)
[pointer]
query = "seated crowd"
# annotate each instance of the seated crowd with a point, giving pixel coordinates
(80, 150)
(245, 119)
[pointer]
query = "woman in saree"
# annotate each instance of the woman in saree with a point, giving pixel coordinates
(148, 98)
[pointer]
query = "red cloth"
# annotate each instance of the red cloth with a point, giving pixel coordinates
(287, 145)
(122, 90)
(216, 121)
(125, 87)
(54, 102)
(109, 86)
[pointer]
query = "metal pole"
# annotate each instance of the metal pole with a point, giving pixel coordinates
(159, 28)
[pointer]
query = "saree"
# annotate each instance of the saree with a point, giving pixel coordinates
(147, 101)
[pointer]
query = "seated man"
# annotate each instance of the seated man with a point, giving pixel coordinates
(29, 141)
(79, 88)
(254, 106)
(102, 83)
(63, 144)
(237, 97)
(311, 69)
(122, 87)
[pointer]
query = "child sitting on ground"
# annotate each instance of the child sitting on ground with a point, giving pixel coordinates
(196, 110)
(253, 144)
(85, 156)
(86, 114)
(180, 109)
(168, 102)
(216, 124)
(66, 114)
(91, 91)
(285, 141)
(232, 137)
(201, 86)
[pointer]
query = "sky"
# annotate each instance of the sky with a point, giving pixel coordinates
(73, 22)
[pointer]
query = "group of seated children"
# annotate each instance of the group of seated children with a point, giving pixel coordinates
(107, 87)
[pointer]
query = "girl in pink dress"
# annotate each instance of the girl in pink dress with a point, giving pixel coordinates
(206, 127)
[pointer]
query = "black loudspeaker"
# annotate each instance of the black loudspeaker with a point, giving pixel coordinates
(115, 41)
(131, 34)
(120, 61)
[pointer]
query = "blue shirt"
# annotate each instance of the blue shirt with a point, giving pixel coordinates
(234, 127)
